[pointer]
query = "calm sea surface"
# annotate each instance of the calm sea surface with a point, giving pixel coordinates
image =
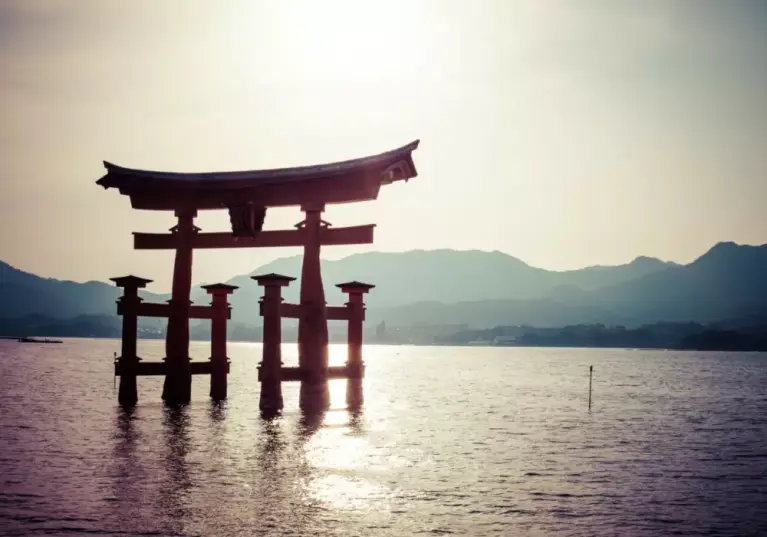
(465, 441)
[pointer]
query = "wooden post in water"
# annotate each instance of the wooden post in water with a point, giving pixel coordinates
(270, 369)
(127, 306)
(218, 358)
(355, 367)
(591, 372)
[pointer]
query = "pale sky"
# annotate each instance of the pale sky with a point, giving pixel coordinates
(566, 133)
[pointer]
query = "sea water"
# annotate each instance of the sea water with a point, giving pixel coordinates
(450, 440)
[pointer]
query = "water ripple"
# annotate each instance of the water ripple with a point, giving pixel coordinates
(499, 443)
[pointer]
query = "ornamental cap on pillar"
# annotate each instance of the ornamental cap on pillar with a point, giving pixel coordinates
(219, 288)
(273, 279)
(355, 287)
(131, 281)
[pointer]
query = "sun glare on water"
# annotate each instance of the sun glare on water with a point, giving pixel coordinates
(342, 492)
(345, 463)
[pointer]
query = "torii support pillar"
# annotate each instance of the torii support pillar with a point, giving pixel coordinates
(355, 367)
(313, 323)
(271, 363)
(128, 361)
(177, 388)
(218, 356)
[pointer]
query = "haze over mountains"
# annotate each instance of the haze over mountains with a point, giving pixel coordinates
(481, 289)
(451, 276)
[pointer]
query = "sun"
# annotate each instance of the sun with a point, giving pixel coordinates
(348, 40)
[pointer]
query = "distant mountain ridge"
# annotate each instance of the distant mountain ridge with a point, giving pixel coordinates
(23, 293)
(725, 283)
(482, 289)
(448, 276)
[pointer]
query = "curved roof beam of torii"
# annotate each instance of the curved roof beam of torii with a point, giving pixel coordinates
(393, 165)
(349, 181)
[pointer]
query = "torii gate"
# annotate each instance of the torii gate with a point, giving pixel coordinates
(246, 195)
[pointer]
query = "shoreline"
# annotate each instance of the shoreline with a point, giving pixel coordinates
(423, 344)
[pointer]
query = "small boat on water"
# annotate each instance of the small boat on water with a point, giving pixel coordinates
(35, 340)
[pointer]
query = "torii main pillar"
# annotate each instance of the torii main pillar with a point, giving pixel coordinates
(313, 324)
(177, 388)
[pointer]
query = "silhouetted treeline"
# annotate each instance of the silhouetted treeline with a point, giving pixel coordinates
(725, 340)
(43, 326)
(110, 326)
(734, 335)
(692, 336)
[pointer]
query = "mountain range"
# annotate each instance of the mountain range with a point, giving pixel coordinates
(476, 288)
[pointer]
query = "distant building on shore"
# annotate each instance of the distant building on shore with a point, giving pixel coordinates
(381, 331)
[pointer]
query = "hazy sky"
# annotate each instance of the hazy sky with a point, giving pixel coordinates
(566, 133)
